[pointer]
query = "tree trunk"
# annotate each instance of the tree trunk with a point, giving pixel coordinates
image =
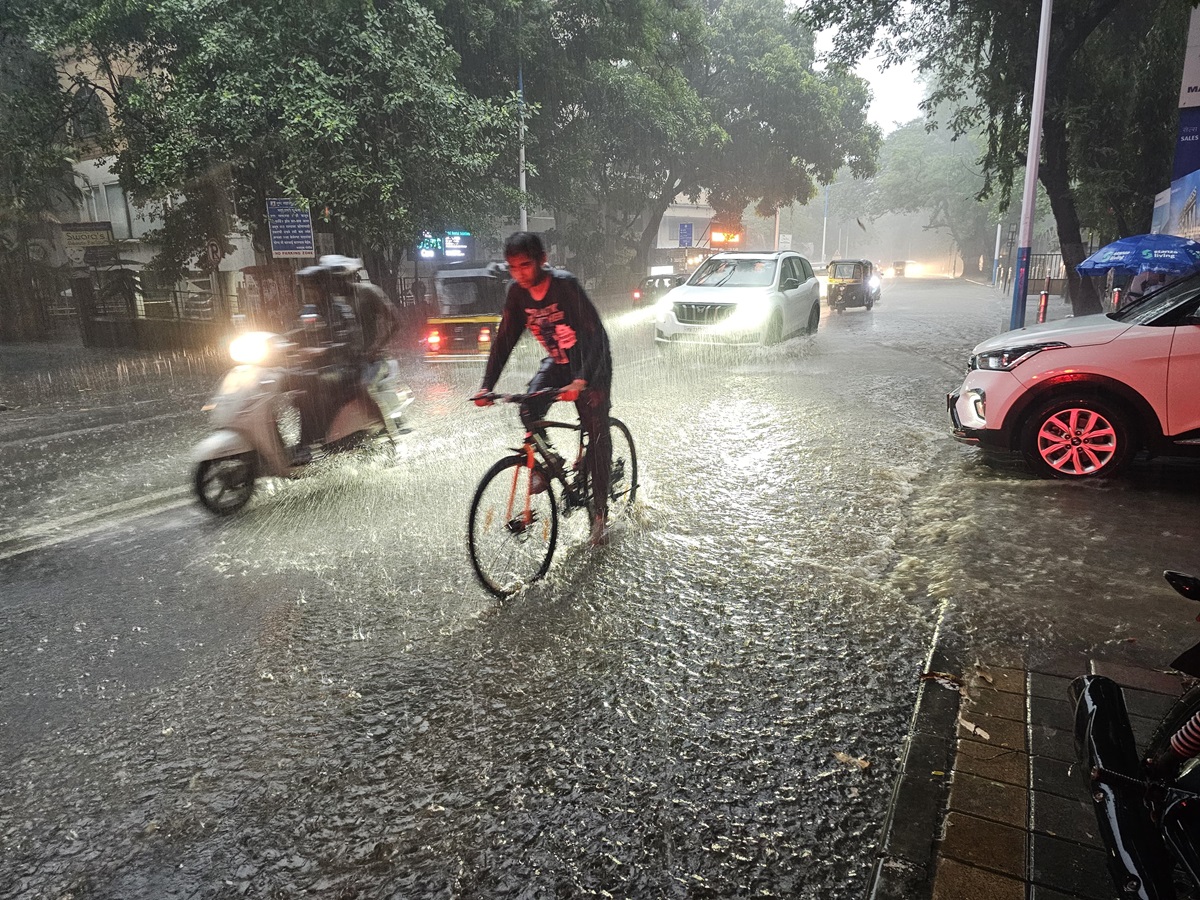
(971, 255)
(1055, 177)
(639, 265)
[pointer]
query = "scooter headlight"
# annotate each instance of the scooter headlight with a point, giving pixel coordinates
(252, 348)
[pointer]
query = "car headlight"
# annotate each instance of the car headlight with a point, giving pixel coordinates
(664, 303)
(252, 348)
(1011, 357)
(751, 311)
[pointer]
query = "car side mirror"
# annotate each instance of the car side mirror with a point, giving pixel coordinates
(790, 284)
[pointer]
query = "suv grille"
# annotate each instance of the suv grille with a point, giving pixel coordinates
(703, 313)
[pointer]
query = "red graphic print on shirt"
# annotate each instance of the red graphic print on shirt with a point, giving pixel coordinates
(546, 323)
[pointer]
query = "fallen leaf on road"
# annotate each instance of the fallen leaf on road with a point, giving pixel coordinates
(945, 679)
(848, 760)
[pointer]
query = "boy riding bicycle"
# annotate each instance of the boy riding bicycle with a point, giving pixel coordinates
(557, 311)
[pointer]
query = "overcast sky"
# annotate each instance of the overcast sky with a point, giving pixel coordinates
(896, 94)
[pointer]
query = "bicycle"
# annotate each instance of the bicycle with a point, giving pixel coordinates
(513, 525)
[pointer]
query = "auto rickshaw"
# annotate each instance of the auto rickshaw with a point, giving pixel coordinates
(852, 282)
(467, 303)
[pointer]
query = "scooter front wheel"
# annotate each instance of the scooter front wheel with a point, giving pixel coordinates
(225, 485)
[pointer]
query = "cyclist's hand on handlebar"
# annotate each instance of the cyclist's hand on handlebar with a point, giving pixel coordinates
(482, 398)
(572, 390)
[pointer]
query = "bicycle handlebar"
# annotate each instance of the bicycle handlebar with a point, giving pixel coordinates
(518, 398)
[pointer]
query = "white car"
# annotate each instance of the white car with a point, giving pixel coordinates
(1079, 397)
(741, 298)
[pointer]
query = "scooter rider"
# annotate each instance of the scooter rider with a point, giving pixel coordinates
(347, 325)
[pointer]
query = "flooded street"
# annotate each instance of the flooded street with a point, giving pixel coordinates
(314, 697)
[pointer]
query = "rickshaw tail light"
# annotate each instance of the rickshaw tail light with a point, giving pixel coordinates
(434, 340)
(485, 335)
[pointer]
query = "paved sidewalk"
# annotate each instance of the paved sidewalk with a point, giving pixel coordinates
(990, 804)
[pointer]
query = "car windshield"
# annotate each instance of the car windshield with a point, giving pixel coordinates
(735, 273)
(1159, 303)
(845, 270)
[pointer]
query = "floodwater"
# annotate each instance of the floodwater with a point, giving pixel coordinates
(315, 698)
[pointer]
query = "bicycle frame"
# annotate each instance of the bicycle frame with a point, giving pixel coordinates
(512, 527)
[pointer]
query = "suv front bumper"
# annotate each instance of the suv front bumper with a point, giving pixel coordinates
(980, 410)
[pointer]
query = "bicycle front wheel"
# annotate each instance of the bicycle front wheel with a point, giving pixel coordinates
(512, 528)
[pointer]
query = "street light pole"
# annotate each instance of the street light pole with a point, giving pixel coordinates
(825, 225)
(1021, 280)
(521, 112)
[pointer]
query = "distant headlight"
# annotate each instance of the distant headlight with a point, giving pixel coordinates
(252, 348)
(1011, 357)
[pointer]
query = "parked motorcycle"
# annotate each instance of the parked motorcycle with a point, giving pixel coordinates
(256, 420)
(1147, 806)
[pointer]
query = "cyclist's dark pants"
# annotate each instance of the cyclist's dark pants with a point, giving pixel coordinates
(593, 407)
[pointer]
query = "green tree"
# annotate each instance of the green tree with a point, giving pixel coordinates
(641, 101)
(35, 178)
(982, 55)
(929, 171)
(351, 106)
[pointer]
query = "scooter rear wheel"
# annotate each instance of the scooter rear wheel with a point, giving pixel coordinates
(225, 485)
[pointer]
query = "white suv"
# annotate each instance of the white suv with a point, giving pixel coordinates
(741, 298)
(1079, 397)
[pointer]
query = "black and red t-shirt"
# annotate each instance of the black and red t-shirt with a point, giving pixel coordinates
(565, 323)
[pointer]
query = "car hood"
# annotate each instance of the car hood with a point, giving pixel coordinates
(687, 293)
(1084, 331)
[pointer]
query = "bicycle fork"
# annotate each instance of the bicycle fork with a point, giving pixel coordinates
(518, 524)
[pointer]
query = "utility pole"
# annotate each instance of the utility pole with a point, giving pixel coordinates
(1032, 156)
(521, 113)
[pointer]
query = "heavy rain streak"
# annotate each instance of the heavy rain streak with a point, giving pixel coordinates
(314, 696)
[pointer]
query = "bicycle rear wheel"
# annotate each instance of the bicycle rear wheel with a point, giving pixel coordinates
(623, 473)
(511, 531)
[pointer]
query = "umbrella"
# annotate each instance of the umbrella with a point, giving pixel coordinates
(1145, 253)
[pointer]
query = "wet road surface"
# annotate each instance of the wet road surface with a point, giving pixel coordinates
(314, 697)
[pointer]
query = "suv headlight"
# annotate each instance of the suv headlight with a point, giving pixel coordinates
(1011, 357)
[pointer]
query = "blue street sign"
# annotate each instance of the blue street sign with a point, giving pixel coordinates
(291, 228)
(685, 234)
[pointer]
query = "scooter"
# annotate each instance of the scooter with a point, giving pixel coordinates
(256, 422)
(1147, 806)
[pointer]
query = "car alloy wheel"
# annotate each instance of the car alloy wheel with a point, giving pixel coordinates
(1078, 437)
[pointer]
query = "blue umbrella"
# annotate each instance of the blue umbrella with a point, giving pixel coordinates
(1145, 253)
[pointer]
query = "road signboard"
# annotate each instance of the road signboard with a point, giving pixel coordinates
(685, 234)
(291, 229)
(87, 234)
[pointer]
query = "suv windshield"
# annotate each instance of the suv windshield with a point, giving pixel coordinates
(1159, 303)
(735, 273)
